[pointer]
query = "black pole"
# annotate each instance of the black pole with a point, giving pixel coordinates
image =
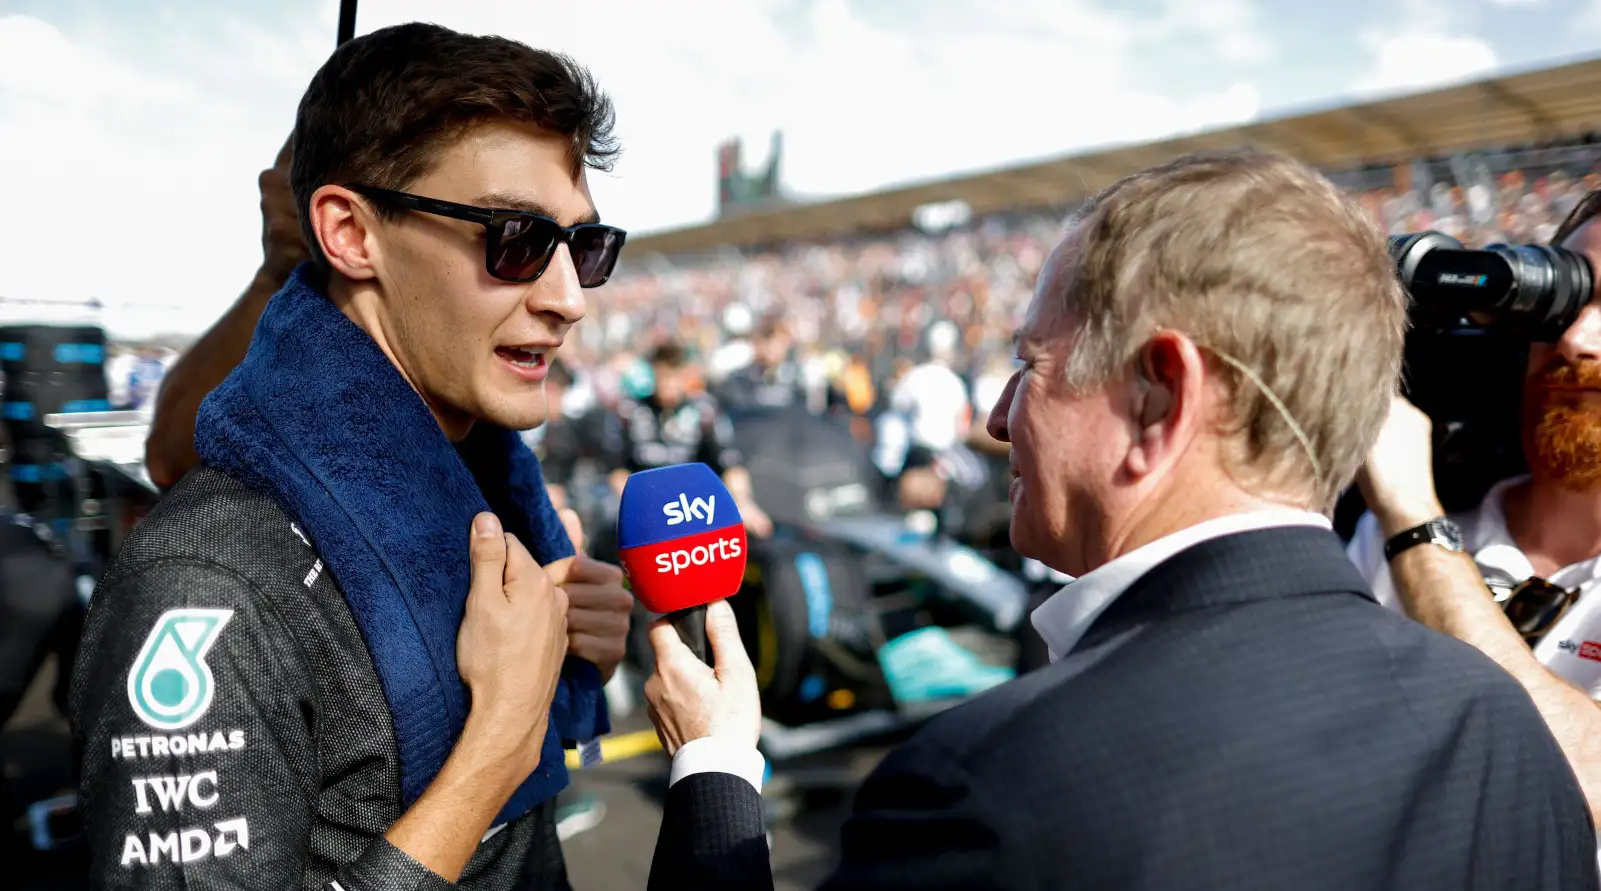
(347, 20)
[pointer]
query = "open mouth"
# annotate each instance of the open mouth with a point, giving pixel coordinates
(529, 359)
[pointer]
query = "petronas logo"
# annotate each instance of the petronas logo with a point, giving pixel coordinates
(170, 685)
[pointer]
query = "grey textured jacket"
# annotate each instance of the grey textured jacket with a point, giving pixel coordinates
(231, 727)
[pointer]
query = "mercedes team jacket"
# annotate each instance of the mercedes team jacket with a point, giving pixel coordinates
(230, 725)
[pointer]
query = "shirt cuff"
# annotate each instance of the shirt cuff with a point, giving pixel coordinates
(711, 754)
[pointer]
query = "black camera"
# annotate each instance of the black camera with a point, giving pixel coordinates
(1530, 292)
(1474, 315)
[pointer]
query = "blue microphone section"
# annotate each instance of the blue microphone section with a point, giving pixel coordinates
(674, 502)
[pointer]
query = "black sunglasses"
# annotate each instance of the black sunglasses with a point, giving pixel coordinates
(1532, 605)
(520, 243)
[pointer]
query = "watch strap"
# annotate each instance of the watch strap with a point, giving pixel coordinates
(1440, 531)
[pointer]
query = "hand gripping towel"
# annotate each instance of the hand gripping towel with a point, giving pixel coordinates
(318, 417)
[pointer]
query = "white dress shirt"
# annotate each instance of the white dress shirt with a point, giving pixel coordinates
(1064, 618)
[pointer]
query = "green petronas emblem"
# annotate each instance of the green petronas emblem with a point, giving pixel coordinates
(170, 686)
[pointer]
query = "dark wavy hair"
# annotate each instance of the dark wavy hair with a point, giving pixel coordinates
(385, 105)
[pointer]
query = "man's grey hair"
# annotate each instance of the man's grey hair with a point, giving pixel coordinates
(1284, 282)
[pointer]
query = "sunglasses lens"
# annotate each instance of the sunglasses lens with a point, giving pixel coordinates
(595, 250)
(524, 248)
(1535, 606)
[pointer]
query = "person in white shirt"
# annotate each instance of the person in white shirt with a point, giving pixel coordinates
(737, 351)
(932, 399)
(119, 377)
(1541, 528)
(1226, 707)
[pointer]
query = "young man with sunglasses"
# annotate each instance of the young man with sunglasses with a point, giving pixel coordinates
(348, 649)
(1518, 577)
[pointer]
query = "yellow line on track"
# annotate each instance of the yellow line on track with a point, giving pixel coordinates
(621, 748)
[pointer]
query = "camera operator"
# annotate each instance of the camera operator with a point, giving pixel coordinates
(1538, 535)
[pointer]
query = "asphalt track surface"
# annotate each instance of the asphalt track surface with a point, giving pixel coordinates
(806, 802)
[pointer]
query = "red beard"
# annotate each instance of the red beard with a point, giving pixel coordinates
(1563, 426)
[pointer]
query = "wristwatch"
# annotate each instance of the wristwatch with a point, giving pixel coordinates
(1440, 531)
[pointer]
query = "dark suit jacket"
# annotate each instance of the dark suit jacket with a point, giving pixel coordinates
(1243, 717)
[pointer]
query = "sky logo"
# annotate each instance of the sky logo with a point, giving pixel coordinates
(683, 510)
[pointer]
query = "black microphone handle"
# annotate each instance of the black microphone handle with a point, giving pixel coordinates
(691, 626)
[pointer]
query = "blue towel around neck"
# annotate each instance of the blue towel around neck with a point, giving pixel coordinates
(319, 418)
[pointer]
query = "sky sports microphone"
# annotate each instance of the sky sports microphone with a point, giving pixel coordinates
(682, 543)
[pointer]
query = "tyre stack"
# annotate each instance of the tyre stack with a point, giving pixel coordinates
(48, 369)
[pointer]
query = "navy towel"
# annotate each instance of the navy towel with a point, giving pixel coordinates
(320, 419)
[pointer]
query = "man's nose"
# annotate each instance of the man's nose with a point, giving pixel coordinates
(995, 424)
(1582, 341)
(557, 291)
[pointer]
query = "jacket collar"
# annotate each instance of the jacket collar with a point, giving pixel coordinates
(1064, 618)
(1229, 570)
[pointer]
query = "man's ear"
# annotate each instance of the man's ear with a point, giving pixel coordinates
(1169, 374)
(343, 226)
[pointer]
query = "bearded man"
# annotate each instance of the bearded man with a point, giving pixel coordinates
(1519, 576)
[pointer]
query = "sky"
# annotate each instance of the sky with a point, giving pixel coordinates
(132, 131)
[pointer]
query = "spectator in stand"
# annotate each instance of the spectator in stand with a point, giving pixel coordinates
(979, 276)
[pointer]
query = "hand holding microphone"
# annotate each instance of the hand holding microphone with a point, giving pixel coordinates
(682, 542)
(689, 700)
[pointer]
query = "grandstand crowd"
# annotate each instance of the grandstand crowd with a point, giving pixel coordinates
(856, 314)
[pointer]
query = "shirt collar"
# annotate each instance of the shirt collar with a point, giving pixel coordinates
(1062, 620)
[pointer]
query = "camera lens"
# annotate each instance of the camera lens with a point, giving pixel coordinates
(1529, 291)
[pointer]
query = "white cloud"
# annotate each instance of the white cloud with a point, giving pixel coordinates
(1428, 43)
(1230, 26)
(1406, 62)
(38, 63)
(133, 156)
